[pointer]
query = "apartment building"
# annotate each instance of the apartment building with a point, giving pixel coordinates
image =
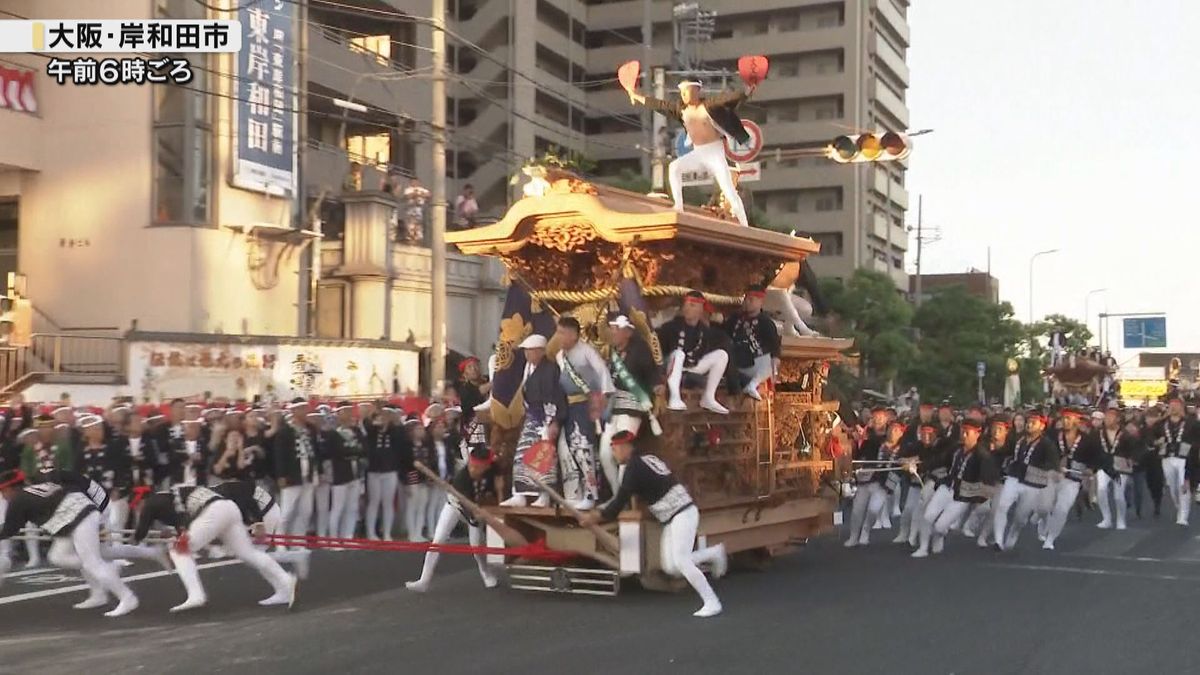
(545, 77)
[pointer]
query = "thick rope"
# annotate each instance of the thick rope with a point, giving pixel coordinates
(601, 294)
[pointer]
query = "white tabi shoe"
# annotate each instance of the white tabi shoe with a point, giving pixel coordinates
(1048, 545)
(712, 405)
(32, 563)
(939, 545)
(708, 610)
(190, 603)
(420, 586)
(583, 505)
(676, 404)
(901, 538)
(851, 542)
(127, 605)
(515, 500)
(92, 601)
(920, 553)
(1120, 525)
(542, 502)
(720, 566)
(285, 597)
(490, 581)
(752, 393)
(1104, 525)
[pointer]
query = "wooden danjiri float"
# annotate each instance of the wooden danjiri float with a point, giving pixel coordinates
(572, 247)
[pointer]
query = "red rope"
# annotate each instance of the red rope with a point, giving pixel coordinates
(536, 550)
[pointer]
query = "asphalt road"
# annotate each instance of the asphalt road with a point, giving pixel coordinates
(1105, 602)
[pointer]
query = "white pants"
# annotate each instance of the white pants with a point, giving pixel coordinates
(868, 504)
(1064, 498)
(1175, 485)
(979, 522)
(1024, 501)
(436, 496)
(914, 507)
(343, 513)
(758, 373)
(296, 502)
(1106, 485)
(678, 557)
(793, 308)
(381, 491)
(323, 498)
(1002, 503)
(417, 511)
(5, 544)
(222, 520)
(80, 550)
(448, 518)
(711, 158)
(942, 514)
(711, 365)
(117, 514)
(273, 523)
(613, 471)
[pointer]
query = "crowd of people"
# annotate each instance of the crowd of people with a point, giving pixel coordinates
(336, 469)
(988, 473)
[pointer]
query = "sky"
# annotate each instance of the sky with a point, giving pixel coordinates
(1062, 124)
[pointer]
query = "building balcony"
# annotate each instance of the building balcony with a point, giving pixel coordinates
(886, 11)
(889, 57)
(884, 98)
(895, 191)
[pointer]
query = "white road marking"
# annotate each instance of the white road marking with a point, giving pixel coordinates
(1085, 570)
(83, 587)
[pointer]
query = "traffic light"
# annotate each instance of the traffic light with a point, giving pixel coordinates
(878, 147)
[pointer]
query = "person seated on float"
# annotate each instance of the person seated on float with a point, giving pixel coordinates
(694, 356)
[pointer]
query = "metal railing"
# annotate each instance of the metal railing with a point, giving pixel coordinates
(86, 358)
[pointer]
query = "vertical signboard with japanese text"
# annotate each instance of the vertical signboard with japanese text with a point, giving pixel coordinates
(264, 151)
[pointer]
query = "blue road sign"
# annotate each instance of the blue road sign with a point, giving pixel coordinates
(1148, 332)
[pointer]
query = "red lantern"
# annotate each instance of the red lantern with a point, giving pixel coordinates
(753, 69)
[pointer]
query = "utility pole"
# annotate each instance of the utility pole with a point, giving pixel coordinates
(310, 259)
(917, 285)
(651, 139)
(437, 243)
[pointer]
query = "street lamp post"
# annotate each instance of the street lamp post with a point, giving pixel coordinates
(1032, 258)
(1087, 318)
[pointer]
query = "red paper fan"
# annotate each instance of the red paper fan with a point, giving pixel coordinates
(753, 69)
(541, 456)
(628, 74)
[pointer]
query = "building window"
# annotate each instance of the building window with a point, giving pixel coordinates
(828, 22)
(825, 204)
(898, 263)
(788, 23)
(379, 46)
(787, 112)
(787, 68)
(182, 137)
(831, 242)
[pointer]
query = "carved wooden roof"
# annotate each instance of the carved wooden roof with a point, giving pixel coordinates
(575, 212)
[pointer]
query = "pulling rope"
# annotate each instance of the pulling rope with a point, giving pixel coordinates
(537, 550)
(611, 293)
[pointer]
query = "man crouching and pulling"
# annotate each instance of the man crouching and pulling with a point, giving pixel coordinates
(649, 479)
(473, 481)
(202, 517)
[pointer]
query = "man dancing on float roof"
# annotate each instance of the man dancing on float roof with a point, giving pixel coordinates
(707, 121)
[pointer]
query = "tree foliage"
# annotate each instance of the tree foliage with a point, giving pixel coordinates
(957, 331)
(877, 317)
